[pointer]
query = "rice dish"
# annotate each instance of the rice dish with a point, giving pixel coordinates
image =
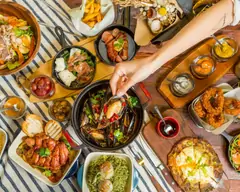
(116, 174)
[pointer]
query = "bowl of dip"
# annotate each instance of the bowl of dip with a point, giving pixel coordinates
(170, 121)
(203, 66)
(228, 49)
(182, 85)
(8, 102)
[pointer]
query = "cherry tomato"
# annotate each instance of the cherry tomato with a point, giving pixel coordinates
(40, 92)
(34, 87)
(37, 80)
(47, 81)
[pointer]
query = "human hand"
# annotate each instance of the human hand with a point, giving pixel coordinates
(129, 73)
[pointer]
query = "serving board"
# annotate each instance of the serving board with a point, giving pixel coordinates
(200, 84)
(162, 146)
(103, 71)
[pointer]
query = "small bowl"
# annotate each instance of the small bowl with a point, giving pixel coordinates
(21, 113)
(196, 61)
(94, 155)
(174, 122)
(4, 141)
(231, 42)
(50, 110)
(178, 93)
(49, 94)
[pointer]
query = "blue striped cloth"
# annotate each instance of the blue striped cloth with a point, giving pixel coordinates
(14, 178)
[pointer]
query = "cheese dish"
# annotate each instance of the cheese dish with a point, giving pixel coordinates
(194, 165)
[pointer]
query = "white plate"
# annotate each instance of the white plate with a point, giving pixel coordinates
(36, 173)
(5, 143)
(95, 155)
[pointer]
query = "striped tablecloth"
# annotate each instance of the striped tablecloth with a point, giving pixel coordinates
(13, 177)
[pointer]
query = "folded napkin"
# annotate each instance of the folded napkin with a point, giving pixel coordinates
(107, 10)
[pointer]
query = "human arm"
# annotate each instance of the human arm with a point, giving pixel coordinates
(201, 27)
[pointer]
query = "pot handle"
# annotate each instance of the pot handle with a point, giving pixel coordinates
(146, 93)
(61, 36)
(71, 142)
(227, 136)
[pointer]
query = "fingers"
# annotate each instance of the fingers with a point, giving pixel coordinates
(115, 79)
(124, 88)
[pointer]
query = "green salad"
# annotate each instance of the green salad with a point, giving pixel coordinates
(107, 172)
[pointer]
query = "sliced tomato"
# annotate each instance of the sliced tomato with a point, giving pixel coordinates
(105, 108)
(20, 55)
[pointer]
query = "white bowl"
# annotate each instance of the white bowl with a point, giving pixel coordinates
(36, 173)
(95, 155)
(5, 142)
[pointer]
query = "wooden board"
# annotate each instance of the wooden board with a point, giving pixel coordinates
(162, 146)
(200, 84)
(103, 71)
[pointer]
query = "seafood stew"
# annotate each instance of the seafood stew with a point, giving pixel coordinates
(51, 157)
(74, 67)
(17, 42)
(118, 133)
(116, 44)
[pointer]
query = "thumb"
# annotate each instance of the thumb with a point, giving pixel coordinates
(124, 88)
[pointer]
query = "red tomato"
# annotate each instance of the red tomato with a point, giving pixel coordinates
(34, 87)
(40, 92)
(37, 79)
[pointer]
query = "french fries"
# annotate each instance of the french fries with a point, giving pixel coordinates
(92, 13)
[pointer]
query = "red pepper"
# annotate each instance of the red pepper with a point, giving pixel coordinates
(124, 104)
(20, 55)
(111, 119)
(105, 108)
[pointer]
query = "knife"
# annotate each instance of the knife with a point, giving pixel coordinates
(159, 165)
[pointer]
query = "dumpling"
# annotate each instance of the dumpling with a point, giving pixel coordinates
(60, 64)
(67, 77)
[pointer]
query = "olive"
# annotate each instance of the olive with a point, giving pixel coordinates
(64, 103)
(61, 117)
(34, 87)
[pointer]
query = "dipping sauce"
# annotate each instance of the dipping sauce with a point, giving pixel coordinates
(60, 110)
(42, 87)
(168, 134)
(2, 140)
(9, 103)
(224, 51)
(203, 66)
(184, 87)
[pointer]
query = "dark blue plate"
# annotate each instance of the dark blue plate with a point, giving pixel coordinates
(72, 171)
(80, 177)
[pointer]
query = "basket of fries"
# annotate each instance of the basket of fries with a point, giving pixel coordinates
(93, 16)
(215, 111)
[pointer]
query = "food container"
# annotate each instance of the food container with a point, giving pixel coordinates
(8, 102)
(3, 141)
(60, 110)
(42, 87)
(230, 42)
(36, 173)
(202, 124)
(200, 66)
(187, 86)
(173, 122)
(95, 155)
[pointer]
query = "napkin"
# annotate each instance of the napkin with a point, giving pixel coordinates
(107, 9)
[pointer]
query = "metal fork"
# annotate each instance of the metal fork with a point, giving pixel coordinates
(140, 160)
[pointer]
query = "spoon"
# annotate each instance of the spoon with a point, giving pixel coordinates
(167, 128)
(173, 81)
(14, 108)
(216, 39)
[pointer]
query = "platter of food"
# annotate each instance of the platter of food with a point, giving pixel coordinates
(104, 122)
(201, 70)
(108, 171)
(116, 44)
(19, 37)
(3, 141)
(43, 151)
(194, 165)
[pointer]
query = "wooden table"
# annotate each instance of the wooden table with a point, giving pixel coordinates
(216, 140)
